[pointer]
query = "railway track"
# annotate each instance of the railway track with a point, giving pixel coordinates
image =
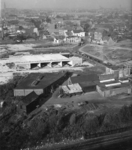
(93, 142)
(100, 142)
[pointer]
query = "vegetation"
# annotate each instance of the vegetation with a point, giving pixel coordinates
(57, 125)
(54, 125)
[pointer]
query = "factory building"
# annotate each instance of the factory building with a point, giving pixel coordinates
(40, 83)
(112, 87)
(26, 62)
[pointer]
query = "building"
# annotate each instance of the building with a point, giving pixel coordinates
(27, 62)
(58, 39)
(87, 82)
(29, 103)
(112, 88)
(76, 61)
(123, 71)
(78, 33)
(40, 83)
(71, 89)
(72, 39)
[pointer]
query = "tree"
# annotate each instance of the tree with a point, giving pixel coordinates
(86, 27)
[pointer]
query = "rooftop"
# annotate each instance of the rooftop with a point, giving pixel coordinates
(113, 85)
(85, 80)
(39, 81)
(30, 98)
(35, 58)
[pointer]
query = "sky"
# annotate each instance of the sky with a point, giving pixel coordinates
(90, 4)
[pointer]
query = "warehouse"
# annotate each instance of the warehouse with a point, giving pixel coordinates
(40, 83)
(112, 88)
(87, 82)
(38, 61)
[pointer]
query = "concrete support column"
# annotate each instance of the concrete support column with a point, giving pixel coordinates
(39, 65)
(60, 64)
(50, 64)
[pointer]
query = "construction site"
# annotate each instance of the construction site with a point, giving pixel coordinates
(116, 55)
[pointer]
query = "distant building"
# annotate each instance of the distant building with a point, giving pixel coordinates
(78, 33)
(72, 39)
(40, 83)
(58, 39)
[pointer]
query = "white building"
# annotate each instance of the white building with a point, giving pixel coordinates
(78, 33)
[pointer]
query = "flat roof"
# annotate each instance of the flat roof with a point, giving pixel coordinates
(115, 84)
(35, 58)
(39, 80)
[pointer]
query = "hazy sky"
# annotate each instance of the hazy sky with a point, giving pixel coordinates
(68, 3)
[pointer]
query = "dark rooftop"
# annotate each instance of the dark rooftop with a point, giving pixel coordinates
(39, 80)
(85, 80)
(30, 98)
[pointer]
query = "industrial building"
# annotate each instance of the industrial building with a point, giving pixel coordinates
(40, 83)
(112, 87)
(25, 62)
(87, 82)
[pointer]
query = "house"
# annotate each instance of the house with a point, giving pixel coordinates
(59, 39)
(72, 39)
(29, 103)
(78, 33)
(63, 32)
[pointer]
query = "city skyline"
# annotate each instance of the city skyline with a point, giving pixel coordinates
(89, 4)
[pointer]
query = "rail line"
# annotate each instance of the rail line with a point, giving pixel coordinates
(96, 140)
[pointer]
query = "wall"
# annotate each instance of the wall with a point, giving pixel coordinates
(117, 91)
(25, 92)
